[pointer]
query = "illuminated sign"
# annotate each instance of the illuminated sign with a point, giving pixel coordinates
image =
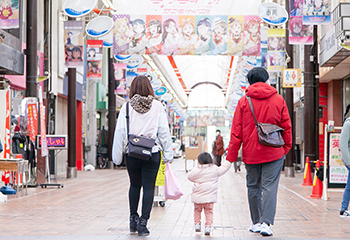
(53, 142)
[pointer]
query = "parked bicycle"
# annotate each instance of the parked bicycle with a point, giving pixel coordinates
(102, 157)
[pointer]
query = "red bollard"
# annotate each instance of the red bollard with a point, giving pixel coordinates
(307, 174)
(317, 186)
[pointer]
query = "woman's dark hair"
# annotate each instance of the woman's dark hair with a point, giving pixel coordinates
(157, 23)
(142, 86)
(347, 110)
(205, 158)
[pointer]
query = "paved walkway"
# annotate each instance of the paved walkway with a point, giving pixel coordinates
(95, 206)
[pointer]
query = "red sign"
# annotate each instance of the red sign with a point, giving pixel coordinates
(32, 121)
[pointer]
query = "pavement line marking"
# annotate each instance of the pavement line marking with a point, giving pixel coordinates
(297, 194)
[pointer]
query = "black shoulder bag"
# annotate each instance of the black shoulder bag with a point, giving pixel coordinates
(138, 146)
(269, 134)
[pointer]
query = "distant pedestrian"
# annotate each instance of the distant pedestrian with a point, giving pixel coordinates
(344, 145)
(263, 164)
(147, 117)
(204, 193)
(218, 148)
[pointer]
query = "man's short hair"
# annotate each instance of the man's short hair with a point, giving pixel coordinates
(257, 74)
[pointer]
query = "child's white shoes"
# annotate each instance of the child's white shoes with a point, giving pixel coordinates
(207, 230)
(197, 227)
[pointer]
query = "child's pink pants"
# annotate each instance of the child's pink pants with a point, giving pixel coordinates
(208, 211)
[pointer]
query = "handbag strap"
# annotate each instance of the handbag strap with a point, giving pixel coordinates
(252, 109)
(127, 119)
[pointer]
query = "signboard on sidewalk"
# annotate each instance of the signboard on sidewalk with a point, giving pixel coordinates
(338, 174)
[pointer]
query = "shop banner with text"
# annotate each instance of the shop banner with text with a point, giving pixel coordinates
(9, 14)
(32, 127)
(73, 45)
(119, 76)
(275, 49)
(317, 12)
(186, 34)
(188, 7)
(94, 58)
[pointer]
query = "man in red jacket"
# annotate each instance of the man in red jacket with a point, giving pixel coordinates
(263, 164)
(218, 148)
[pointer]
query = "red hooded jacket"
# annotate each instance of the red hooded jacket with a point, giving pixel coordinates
(269, 107)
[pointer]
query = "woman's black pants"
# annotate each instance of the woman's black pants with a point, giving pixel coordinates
(142, 174)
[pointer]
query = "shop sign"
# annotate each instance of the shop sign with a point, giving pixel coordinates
(53, 142)
(291, 78)
(134, 61)
(161, 91)
(328, 46)
(99, 26)
(78, 8)
(122, 57)
(273, 13)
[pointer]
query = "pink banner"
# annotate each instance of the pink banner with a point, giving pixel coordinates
(32, 121)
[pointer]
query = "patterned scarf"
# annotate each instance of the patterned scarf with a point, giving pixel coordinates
(141, 104)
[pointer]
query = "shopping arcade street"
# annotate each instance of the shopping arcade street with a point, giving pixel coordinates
(95, 206)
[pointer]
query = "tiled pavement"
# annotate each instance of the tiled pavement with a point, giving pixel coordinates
(95, 206)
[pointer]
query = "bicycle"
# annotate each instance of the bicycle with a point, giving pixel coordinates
(102, 157)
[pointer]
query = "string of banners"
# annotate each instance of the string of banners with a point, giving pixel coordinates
(186, 34)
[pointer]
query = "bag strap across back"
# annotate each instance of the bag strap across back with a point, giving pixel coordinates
(127, 119)
(252, 109)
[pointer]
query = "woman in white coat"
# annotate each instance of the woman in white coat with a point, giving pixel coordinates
(147, 117)
(204, 193)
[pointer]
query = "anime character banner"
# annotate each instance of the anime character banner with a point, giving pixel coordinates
(170, 35)
(219, 35)
(275, 49)
(94, 58)
(296, 8)
(235, 29)
(119, 76)
(186, 35)
(251, 35)
(73, 35)
(9, 14)
(299, 33)
(316, 12)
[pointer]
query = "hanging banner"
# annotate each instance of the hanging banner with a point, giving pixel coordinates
(32, 126)
(275, 49)
(7, 126)
(94, 58)
(187, 7)
(44, 151)
(9, 14)
(73, 35)
(186, 34)
(120, 78)
(299, 33)
(317, 12)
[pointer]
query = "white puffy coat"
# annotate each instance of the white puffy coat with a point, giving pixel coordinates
(206, 178)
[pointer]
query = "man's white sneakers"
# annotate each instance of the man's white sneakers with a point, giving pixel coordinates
(255, 228)
(266, 230)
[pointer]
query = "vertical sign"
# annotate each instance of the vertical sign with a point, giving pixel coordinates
(275, 49)
(6, 174)
(73, 45)
(94, 58)
(44, 151)
(32, 126)
(119, 76)
(338, 174)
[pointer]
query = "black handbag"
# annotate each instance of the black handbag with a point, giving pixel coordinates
(269, 134)
(138, 146)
